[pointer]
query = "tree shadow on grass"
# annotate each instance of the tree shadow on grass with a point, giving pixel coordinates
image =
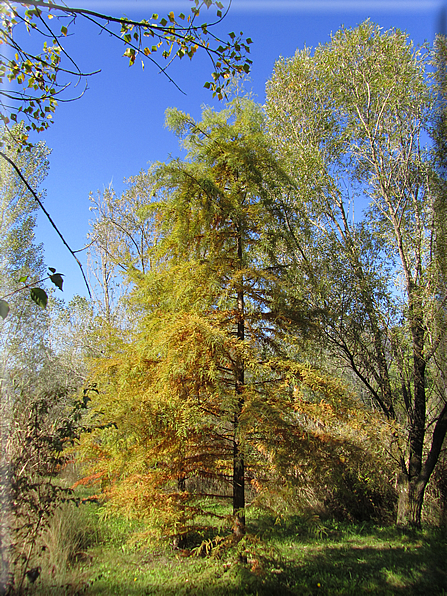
(411, 565)
(357, 570)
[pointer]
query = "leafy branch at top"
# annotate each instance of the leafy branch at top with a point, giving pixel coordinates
(38, 81)
(32, 83)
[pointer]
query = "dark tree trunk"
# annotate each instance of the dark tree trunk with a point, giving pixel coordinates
(238, 490)
(418, 412)
(411, 488)
(413, 479)
(410, 500)
(238, 456)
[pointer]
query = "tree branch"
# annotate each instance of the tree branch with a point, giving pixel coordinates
(39, 202)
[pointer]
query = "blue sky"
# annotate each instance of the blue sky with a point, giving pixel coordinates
(117, 128)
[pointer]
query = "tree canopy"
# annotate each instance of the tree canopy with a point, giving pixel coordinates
(209, 399)
(352, 122)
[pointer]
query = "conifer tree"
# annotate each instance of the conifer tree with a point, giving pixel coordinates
(204, 401)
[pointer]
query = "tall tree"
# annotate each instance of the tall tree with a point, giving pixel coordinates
(34, 387)
(21, 257)
(206, 393)
(351, 120)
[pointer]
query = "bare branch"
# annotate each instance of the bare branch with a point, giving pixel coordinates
(35, 196)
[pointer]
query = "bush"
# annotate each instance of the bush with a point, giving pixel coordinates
(30, 493)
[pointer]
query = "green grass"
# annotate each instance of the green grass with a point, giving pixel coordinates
(303, 556)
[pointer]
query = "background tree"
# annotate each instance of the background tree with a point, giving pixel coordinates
(351, 122)
(120, 238)
(22, 261)
(34, 385)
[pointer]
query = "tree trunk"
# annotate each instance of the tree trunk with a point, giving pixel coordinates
(238, 456)
(411, 498)
(238, 491)
(411, 485)
(411, 488)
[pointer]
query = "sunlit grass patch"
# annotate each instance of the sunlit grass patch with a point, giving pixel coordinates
(294, 556)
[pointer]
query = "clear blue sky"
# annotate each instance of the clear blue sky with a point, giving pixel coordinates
(117, 128)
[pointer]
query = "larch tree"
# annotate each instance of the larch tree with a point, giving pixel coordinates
(352, 122)
(205, 401)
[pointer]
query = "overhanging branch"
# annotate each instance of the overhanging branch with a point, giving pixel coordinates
(39, 202)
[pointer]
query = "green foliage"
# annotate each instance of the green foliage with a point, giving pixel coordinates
(37, 425)
(37, 421)
(56, 278)
(38, 295)
(350, 120)
(4, 309)
(22, 267)
(295, 557)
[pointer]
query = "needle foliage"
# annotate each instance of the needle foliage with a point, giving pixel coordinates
(209, 400)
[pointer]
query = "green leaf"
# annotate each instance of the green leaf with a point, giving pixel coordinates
(40, 297)
(23, 279)
(4, 309)
(64, 31)
(52, 269)
(56, 278)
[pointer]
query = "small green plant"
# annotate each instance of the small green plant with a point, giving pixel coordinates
(212, 546)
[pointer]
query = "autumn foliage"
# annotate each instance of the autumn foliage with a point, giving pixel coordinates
(209, 389)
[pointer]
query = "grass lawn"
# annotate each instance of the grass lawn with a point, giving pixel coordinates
(300, 556)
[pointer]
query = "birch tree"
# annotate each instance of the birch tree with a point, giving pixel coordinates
(352, 120)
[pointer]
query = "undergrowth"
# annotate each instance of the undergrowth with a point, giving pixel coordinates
(301, 555)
